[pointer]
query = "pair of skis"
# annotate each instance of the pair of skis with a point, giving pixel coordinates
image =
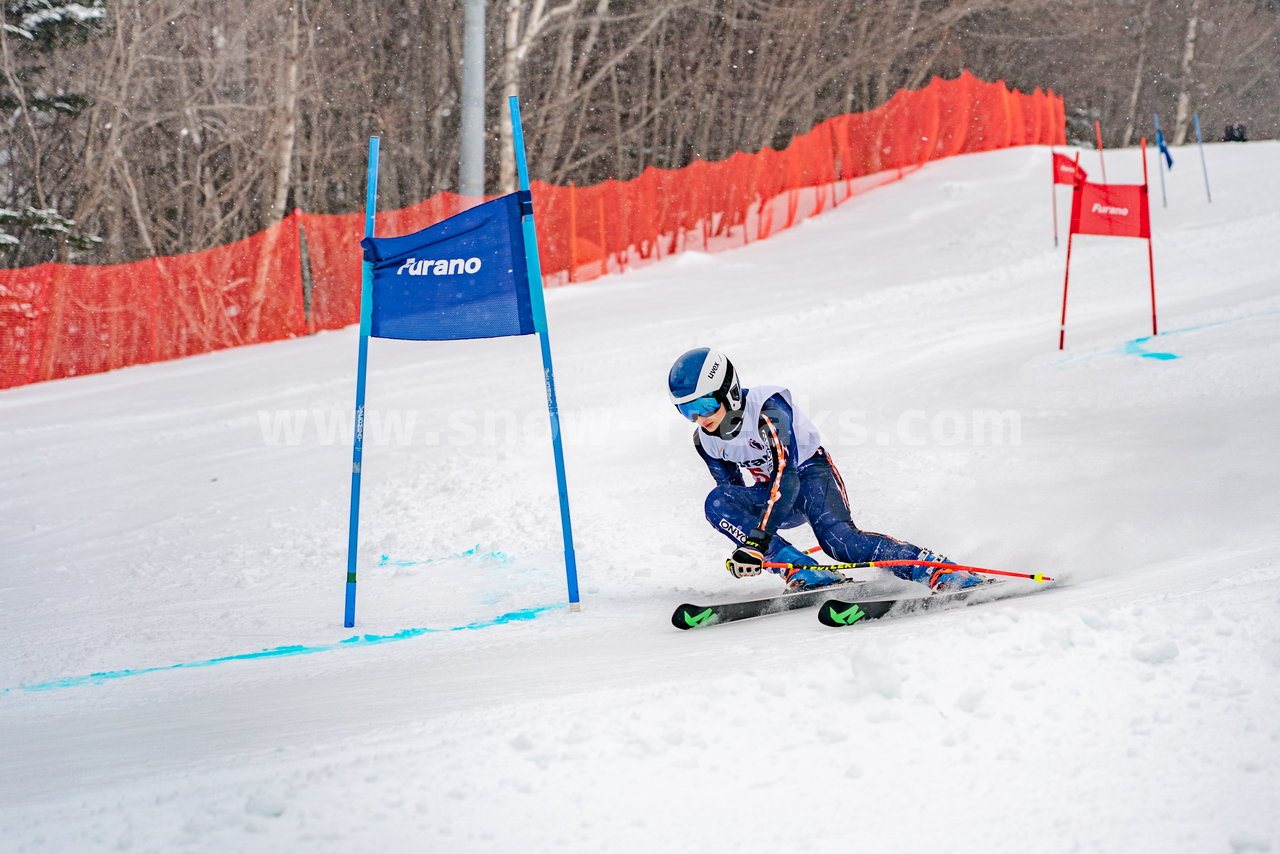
(838, 605)
(850, 603)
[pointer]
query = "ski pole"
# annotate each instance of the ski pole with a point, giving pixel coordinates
(948, 566)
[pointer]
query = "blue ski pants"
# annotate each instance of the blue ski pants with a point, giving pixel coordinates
(823, 505)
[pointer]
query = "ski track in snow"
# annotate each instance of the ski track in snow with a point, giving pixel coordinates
(165, 524)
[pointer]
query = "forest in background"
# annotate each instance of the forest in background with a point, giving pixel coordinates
(137, 128)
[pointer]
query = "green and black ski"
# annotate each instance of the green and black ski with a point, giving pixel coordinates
(839, 613)
(701, 616)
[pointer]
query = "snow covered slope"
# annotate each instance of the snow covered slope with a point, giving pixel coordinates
(175, 675)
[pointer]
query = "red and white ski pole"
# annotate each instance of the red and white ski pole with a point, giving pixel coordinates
(951, 567)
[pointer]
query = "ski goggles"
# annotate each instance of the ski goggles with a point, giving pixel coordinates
(705, 405)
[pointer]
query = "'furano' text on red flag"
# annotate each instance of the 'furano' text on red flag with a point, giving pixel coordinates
(1116, 210)
(1067, 171)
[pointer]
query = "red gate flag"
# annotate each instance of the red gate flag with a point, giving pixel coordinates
(1066, 170)
(1116, 210)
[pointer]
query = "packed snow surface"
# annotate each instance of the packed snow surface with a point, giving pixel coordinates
(176, 677)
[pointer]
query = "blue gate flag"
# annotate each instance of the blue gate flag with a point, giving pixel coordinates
(1164, 149)
(464, 277)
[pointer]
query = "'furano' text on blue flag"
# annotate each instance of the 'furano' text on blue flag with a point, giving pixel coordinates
(465, 277)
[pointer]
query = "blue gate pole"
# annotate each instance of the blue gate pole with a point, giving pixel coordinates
(1164, 199)
(539, 307)
(362, 362)
(1203, 165)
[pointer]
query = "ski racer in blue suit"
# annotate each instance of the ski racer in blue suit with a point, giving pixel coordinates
(760, 431)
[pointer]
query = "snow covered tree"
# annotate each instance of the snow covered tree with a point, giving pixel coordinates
(36, 104)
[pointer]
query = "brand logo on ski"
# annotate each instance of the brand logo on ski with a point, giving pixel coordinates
(846, 618)
(695, 620)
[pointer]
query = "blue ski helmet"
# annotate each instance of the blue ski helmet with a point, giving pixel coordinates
(701, 381)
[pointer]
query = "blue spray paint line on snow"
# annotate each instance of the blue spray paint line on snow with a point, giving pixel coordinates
(1136, 347)
(474, 551)
(502, 558)
(283, 651)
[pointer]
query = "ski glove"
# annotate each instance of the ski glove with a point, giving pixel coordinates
(748, 558)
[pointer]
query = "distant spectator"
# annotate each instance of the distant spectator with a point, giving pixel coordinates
(1234, 133)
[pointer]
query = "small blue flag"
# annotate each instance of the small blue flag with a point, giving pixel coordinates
(1164, 149)
(465, 277)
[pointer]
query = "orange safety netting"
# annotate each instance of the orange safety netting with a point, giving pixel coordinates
(303, 274)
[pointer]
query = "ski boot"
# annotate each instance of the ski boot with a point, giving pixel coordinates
(805, 574)
(940, 580)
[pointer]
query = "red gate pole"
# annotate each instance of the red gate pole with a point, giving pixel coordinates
(1062, 326)
(1071, 232)
(1097, 129)
(1151, 264)
(1151, 261)
(1053, 163)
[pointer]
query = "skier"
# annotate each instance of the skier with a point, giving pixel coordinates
(761, 431)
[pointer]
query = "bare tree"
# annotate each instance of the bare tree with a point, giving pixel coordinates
(39, 137)
(1182, 116)
(1139, 71)
(204, 121)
